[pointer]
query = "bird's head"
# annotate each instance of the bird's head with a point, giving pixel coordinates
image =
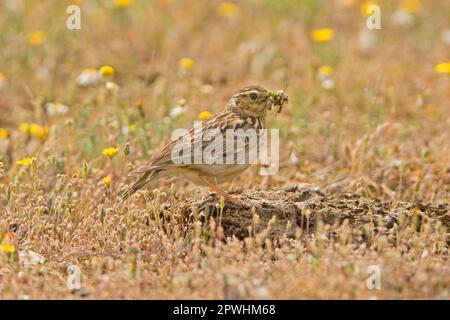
(255, 101)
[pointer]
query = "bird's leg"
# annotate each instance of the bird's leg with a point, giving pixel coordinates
(216, 189)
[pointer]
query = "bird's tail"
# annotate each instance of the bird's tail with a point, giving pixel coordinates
(136, 186)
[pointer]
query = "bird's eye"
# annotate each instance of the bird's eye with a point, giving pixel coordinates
(253, 96)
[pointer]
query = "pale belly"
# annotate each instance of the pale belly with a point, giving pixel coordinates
(217, 173)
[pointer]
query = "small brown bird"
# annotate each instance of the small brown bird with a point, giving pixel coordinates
(245, 110)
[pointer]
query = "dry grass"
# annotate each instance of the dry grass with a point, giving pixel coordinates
(381, 133)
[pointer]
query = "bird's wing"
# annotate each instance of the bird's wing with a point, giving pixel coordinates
(239, 148)
(166, 158)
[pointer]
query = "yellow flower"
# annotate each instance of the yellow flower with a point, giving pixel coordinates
(43, 133)
(227, 9)
(25, 161)
(411, 6)
(326, 70)
(107, 180)
(7, 248)
(139, 104)
(2, 80)
(186, 63)
(4, 133)
(365, 5)
(204, 115)
(36, 130)
(107, 72)
(33, 129)
(36, 38)
(442, 68)
(123, 3)
(322, 35)
(24, 127)
(110, 152)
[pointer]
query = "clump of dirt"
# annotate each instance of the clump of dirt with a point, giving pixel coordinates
(302, 206)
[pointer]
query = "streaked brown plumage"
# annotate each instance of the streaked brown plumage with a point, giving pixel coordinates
(245, 110)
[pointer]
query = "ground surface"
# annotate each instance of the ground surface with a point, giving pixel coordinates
(299, 208)
(361, 196)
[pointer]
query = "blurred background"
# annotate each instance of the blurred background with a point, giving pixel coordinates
(369, 109)
(368, 113)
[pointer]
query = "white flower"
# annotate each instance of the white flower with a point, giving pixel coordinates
(324, 77)
(128, 129)
(446, 36)
(14, 5)
(112, 87)
(328, 84)
(206, 88)
(294, 159)
(179, 108)
(402, 18)
(176, 111)
(367, 40)
(54, 108)
(89, 77)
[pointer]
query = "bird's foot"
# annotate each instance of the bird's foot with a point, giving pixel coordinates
(234, 199)
(222, 193)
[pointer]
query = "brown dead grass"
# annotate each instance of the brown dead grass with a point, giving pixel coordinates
(369, 183)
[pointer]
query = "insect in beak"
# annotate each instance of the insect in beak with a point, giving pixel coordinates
(278, 98)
